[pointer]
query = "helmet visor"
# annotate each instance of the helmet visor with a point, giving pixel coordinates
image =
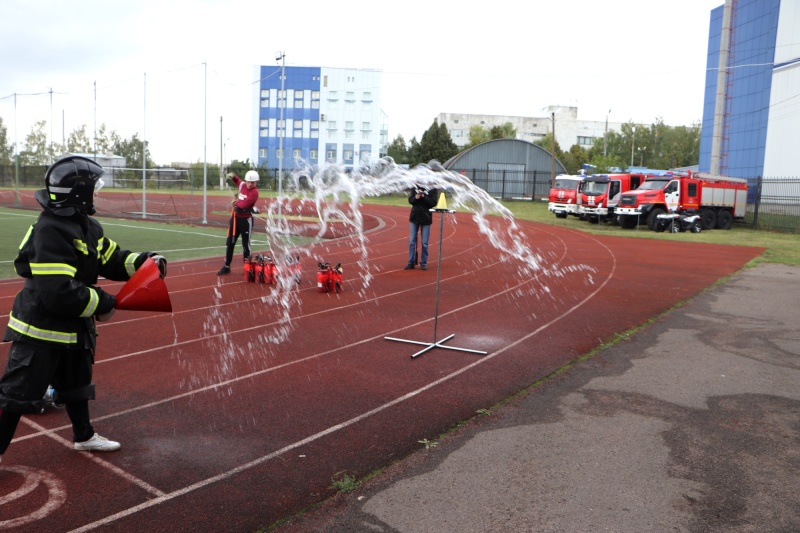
(98, 185)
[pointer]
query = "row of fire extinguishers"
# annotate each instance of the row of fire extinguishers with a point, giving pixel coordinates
(263, 269)
(329, 278)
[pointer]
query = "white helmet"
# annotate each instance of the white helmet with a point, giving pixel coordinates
(251, 175)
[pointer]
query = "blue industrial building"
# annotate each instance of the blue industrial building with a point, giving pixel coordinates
(319, 115)
(749, 124)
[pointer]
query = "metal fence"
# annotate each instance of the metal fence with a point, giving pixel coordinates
(772, 203)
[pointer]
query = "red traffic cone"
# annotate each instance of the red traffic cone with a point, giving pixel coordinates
(145, 290)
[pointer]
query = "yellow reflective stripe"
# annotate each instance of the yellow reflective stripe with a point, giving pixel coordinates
(26, 237)
(81, 246)
(91, 307)
(129, 263)
(62, 337)
(51, 269)
(106, 255)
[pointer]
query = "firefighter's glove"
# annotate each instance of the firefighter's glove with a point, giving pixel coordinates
(255, 210)
(229, 179)
(161, 263)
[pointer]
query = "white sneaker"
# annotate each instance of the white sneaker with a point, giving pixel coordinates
(97, 444)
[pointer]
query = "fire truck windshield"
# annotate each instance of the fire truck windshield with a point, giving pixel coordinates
(565, 183)
(595, 187)
(653, 185)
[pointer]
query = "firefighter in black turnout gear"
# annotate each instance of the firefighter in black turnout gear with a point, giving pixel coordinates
(52, 322)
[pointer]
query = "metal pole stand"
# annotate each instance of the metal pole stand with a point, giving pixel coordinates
(437, 344)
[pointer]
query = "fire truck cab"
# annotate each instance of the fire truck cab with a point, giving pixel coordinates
(599, 191)
(564, 196)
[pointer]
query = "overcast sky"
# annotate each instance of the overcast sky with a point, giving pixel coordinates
(156, 68)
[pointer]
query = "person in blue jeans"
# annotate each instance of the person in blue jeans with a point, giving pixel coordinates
(422, 200)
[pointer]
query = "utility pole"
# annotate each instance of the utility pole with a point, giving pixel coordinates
(605, 136)
(553, 151)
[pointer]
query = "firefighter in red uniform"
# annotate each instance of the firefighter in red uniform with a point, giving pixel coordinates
(241, 222)
(52, 322)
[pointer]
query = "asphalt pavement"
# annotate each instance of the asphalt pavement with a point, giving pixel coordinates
(691, 424)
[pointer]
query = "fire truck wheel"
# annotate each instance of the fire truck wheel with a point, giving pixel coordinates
(724, 219)
(627, 221)
(652, 217)
(708, 218)
(561, 215)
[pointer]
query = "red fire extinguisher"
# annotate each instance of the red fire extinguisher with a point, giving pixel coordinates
(249, 271)
(323, 277)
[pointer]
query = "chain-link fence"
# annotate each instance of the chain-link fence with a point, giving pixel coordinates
(772, 203)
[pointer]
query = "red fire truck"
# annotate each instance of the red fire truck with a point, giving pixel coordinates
(599, 191)
(564, 196)
(719, 200)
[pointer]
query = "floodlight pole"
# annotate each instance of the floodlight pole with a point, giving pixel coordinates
(205, 143)
(437, 344)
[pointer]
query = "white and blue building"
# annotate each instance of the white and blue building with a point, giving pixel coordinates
(754, 130)
(321, 115)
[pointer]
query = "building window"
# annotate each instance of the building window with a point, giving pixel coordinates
(262, 152)
(265, 93)
(348, 125)
(367, 97)
(279, 153)
(298, 134)
(264, 103)
(332, 96)
(365, 135)
(315, 124)
(586, 141)
(330, 155)
(365, 126)
(348, 134)
(314, 99)
(315, 134)
(296, 153)
(298, 124)
(365, 155)
(282, 98)
(350, 97)
(455, 121)
(325, 81)
(312, 154)
(264, 123)
(263, 132)
(348, 155)
(298, 99)
(331, 124)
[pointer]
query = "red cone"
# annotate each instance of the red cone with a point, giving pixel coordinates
(145, 290)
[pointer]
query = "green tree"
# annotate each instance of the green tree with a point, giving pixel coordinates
(436, 144)
(506, 131)
(36, 151)
(132, 150)
(399, 151)
(656, 146)
(78, 142)
(6, 149)
(477, 135)
(414, 151)
(107, 140)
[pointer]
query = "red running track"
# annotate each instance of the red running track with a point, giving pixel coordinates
(225, 429)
